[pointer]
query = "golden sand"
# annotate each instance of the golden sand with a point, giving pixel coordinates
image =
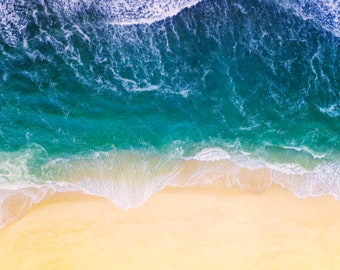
(196, 228)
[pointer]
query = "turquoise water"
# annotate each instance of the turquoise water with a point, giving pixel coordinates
(94, 94)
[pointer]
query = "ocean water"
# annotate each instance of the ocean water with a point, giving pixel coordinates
(120, 98)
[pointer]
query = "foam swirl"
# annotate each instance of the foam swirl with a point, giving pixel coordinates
(325, 13)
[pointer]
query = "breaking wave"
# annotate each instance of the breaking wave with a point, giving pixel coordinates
(17, 13)
(325, 13)
(129, 178)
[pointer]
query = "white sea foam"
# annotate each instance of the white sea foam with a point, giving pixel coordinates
(332, 110)
(325, 13)
(211, 154)
(129, 12)
(307, 150)
(323, 180)
(129, 178)
(14, 166)
(12, 21)
(126, 12)
(17, 199)
(148, 88)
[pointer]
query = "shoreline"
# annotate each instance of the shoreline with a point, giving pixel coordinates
(177, 228)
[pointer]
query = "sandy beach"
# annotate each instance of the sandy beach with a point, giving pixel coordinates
(192, 228)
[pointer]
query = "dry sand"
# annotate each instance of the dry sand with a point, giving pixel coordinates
(193, 228)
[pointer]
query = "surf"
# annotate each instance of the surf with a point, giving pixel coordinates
(130, 178)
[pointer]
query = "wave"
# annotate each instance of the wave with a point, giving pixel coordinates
(325, 13)
(13, 20)
(18, 13)
(129, 178)
(125, 12)
(147, 12)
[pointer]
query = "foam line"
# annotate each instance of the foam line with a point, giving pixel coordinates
(129, 179)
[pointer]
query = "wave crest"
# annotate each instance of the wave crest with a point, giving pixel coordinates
(145, 12)
(326, 13)
(13, 20)
(126, 12)
(17, 13)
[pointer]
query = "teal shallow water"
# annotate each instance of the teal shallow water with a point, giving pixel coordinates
(253, 82)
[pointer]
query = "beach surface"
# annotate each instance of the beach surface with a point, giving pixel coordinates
(177, 228)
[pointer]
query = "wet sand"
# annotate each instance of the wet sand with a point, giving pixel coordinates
(177, 228)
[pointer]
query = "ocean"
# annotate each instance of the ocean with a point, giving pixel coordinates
(121, 98)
